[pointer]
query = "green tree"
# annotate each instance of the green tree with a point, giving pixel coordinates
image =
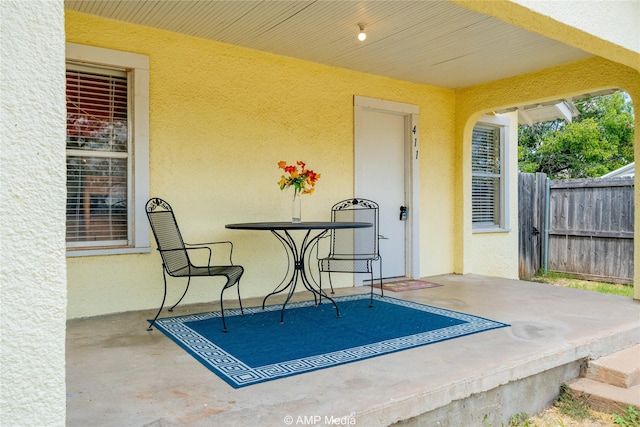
(598, 141)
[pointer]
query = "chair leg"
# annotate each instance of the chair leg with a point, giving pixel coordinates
(224, 324)
(381, 287)
(371, 294)
(164, 297)
(239, 299)
(185, 292)
(224, 288)
(330, 283)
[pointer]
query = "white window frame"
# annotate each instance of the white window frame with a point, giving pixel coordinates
(503, 125)
(137, 67)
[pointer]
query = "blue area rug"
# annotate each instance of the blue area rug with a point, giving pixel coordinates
(258, 348)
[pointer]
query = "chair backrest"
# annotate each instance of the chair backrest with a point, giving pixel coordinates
(361, 242)
(168, 237)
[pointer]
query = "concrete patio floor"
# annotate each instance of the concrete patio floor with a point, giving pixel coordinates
(119, 374)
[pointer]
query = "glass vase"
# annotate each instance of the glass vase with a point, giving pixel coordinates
(296, 207)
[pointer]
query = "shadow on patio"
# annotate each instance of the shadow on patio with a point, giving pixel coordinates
(118, 374)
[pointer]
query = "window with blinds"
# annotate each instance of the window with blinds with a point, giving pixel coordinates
(98, 156)
(486, 176)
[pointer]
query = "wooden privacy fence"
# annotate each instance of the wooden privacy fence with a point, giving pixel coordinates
(591, 228)
(587, 230)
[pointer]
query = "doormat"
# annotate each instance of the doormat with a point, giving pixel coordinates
(407, 285)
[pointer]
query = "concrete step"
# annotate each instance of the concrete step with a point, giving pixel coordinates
(611, 383)
(606, 397)
(621, 369)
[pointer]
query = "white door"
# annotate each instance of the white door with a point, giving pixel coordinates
(382, 158)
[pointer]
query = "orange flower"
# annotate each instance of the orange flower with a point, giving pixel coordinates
(313, 177)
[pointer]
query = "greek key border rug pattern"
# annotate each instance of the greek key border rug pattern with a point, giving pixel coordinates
(238, 373)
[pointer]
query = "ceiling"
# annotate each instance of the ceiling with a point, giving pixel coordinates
(430, 42)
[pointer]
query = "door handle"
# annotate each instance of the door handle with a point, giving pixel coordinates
(381, 237)
(404, 212)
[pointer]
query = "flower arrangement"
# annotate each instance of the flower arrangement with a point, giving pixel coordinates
(302, 180)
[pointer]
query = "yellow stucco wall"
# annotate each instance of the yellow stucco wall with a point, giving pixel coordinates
(616, 65)
(496, 253)
(568, 80)
(221, 117)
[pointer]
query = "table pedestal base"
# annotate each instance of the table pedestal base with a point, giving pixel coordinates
(297, 256)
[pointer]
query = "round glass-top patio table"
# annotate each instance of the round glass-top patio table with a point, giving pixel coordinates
(298, 253)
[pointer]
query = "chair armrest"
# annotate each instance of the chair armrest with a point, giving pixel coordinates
(208, 246)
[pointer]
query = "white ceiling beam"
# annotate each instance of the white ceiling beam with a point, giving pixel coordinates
(522, 113)
(564, 112)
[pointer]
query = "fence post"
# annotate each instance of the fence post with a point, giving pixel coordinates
(547, 211)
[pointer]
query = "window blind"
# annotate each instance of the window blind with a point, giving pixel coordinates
(486, 175)
(98, 152)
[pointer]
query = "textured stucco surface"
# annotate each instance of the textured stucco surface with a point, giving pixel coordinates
(555, 83)
(217, 115)
(32, 200)
(221, 117)
(608, 30)
(492, 253)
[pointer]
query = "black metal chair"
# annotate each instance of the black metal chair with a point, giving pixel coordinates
(353, 250)
(175, 255)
